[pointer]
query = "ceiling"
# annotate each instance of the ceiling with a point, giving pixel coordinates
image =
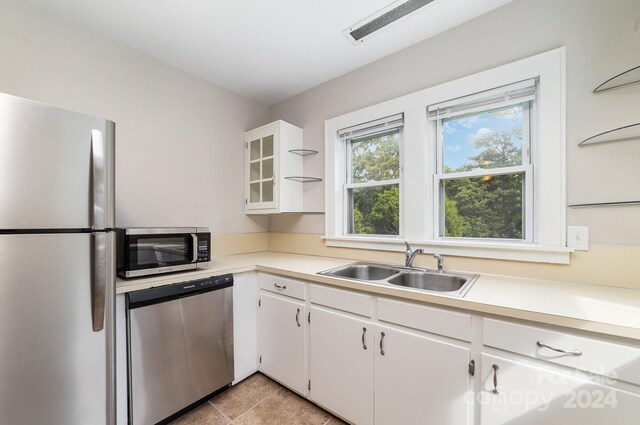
(265, 50)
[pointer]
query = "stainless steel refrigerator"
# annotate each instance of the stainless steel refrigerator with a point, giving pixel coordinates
(57, 268)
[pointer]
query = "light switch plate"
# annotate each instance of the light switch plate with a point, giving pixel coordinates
(578, 238)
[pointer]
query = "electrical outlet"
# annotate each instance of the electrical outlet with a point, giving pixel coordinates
(578, 238)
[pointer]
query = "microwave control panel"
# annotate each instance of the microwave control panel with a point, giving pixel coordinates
(204, 247)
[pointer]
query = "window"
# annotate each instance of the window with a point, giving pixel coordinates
(476, 167)
(483, 180)
(372, 181)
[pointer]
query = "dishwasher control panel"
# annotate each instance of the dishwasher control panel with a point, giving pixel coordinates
(160, 294)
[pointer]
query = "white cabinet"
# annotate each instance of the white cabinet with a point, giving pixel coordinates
(519, 393)
(420, 380)
(282, 332)
(369, 373)
(341, 364)
(271, 169)
(533, 374)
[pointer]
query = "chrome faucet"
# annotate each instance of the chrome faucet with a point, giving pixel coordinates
(438, 258)
(410, 255)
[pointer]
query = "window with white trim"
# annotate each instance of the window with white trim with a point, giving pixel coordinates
(481, 167)
(483, 184)
(372, 184)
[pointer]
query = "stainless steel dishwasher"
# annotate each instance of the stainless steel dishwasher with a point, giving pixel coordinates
(180, 349)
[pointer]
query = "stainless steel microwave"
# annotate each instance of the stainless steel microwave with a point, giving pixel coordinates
(149, 251)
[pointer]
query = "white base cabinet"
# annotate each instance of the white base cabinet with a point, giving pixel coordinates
(516, 393)
(381, 361)
(282, 332)
(341, 364)
(370, 373)
(419, 380)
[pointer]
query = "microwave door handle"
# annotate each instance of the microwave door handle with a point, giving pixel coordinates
(194, 248)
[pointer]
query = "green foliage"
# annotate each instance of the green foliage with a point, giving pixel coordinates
(376, 210)
(490, 206)
(455, 225)
(497, 150)
(479, 207)
(376, 158)
(484, 207)
(385, 215)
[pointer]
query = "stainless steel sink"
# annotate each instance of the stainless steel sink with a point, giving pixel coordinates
(456, 284)
(430, 281)
(364, 272)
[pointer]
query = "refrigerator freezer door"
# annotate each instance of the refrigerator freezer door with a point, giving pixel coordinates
(47, 156)
(54, 369)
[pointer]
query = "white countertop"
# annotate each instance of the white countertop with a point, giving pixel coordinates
(602, 309)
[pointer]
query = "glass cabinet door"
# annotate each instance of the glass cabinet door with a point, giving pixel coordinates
(261, 171)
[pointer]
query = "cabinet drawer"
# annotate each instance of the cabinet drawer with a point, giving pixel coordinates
(282, 285)
(352, 302)
(620, 362)
(429, 319)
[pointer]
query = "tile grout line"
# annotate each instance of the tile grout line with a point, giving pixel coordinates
(261, 401)
(221, 412)
(252, 407)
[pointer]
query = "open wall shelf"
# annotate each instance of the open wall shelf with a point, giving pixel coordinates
(620, 134)
(604, 204)
(304, 179)
(303, 152)
(630, 76)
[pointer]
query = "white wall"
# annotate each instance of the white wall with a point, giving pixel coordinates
(602, 38)
(179, 138)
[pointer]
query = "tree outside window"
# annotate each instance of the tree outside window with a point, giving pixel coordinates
(373, 184)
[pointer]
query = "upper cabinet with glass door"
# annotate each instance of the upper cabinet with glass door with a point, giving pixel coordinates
(268, 163)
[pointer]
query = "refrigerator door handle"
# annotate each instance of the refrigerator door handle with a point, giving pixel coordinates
(98, 180)
(99, 279)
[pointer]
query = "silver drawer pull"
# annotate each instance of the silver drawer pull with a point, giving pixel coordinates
(558, 350)
(495, 379)
(280, 287)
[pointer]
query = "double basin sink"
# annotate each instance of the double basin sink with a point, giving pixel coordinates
(456, 284)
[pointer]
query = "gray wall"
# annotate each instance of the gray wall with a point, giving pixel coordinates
(602, 38)
(179, 138)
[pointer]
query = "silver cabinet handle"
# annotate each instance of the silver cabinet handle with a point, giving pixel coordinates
(364, 331)
(381, 338)
(280, 287)
(558, 350)
(194, 247)
(495, 379)
(298, 317)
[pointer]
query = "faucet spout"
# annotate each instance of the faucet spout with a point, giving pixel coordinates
(410, 255)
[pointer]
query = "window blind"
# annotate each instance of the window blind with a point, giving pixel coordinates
(376, 126)
(511, 94)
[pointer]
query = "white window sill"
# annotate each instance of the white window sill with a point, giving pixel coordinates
(514, 251)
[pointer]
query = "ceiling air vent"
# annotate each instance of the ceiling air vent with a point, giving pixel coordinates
(362, 30)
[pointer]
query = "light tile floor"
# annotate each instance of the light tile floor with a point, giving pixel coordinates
(258, 401)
